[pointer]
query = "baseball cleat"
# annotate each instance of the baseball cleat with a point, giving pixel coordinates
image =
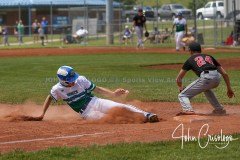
(186, 113)
(219, 111)
(152, 118)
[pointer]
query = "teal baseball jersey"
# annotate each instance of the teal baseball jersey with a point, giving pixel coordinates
(180, 24)
(76, 96)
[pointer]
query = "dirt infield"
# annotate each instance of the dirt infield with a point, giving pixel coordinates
(228, 64)
(96, 50)
(63, 127)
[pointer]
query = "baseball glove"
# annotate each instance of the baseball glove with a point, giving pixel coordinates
(146, 34)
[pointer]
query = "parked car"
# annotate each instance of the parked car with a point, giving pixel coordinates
(147, 11)
(169, 11)
(230, 16)
(211, 9)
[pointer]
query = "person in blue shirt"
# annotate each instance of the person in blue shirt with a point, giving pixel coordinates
(44, 25)
(127, 34)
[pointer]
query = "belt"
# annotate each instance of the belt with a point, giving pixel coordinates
(83, 108)
(205, 71)
(208, 71)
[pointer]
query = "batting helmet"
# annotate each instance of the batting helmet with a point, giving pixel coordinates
(66, 75)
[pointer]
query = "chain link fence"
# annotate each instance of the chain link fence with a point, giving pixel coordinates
(61, 29)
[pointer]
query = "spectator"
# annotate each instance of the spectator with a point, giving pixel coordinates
(5, 36)
(165, 35)
(44, 25)
(41, 34)
(154, 36)
(16, 30)
(68, 38)
(20, 32)
(236, 36)
(127, 35)
(35, 27)
(80, 34)
(230, 39)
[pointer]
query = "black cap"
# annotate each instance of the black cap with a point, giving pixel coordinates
(179, 14)
(195, 47)
(140, 10)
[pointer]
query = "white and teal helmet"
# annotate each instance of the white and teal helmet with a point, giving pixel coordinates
(66, 75)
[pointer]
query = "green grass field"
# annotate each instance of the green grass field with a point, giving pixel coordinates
(135, 151)
(30, 79)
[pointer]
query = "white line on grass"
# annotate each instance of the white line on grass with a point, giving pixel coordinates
(53, 138)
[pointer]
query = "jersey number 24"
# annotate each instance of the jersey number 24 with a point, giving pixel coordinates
(201, 61)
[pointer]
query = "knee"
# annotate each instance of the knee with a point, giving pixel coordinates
(181, 95)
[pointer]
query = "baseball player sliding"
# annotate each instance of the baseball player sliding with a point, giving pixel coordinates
(76, 90)
(209, 71)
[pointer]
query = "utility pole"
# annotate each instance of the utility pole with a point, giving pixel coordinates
(109, 22)
(195, 19)
(235, 20)
(157, 12)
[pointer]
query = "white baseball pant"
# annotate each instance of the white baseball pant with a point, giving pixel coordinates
(98, 108)
(178, 39)
(139, 32)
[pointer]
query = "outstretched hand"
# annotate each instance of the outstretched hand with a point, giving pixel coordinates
(230, 93)
(120, 91)
(29, 118)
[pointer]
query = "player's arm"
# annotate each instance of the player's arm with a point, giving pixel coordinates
(230, 92)
(173, 27)
(108, 93)
(179, 78)
(186, 29)
(145, 26)
(45, 106)
(134, 23)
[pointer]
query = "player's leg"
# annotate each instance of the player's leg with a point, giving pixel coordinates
(102, 107)
(176, 41)
(141, 35)
(189, 92)
(139, 32)
(200, 85)
(181, 35)
(213, 100)
(218, 108)
(179, 40)
(105, 105)
(92, 112)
